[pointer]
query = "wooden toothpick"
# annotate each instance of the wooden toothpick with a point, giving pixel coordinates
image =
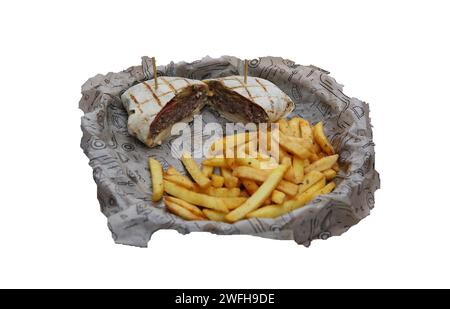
(155, 72)
(245, 70)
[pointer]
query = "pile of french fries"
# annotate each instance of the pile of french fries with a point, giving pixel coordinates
(240, 181)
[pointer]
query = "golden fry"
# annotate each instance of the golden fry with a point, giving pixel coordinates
(294, 126)
(195, 172)
(305, 129)
(294, 147)
(278, 197)
(325, 190)
(192, 208)
(330, 174)
(273, 211)
(298, 167)
(316, 148)
(222, 192)
(287, 161)
(284, 126)
(230, 181)
(261, 175)
(304, 142)
(195, 198)
(173, 171)
(217, 181)
(231, 141)
(156, 172)
(269, 211)
(289, 175)
(251, 187)
(304, 198)
(258, 198)
(321, 139)
(310, 179)
(182, 212)
(214, 215)
(180, 180)
(314, 157)
(215, 162)
(207, 170)
(233, 202)
(282, 154)
(248, 162)
(322, 164)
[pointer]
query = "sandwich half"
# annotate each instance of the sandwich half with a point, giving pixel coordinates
(258, 100)
(152, 112)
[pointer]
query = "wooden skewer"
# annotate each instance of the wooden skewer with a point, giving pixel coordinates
(245, 70)
(155, 73)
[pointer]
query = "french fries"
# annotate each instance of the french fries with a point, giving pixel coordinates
(251, 186)
(302, 199)
(258, 198)
(230, 181)
(208, 170)
(217, 181)
(259, 175)
(325, 190)
(330, 174)
(269, 211)
(194, 170)
(273, 211)
(321, 139)
(282, 154)
(278, 197)
(180, 180)
(305, 129)
(322, 164)
(182, 212)
(231, 141)
(294, 147)
(222, 192)
(233, 202)
(294, 125)
(215, 162)
(298, 167)
(248, 162)
(284, 126)
(294, 166)
(195, 198)
(310, 179)
(214, 215)
(172, 171)
(156, 172)
(192, 208)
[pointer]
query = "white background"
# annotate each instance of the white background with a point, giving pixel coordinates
(392, 54)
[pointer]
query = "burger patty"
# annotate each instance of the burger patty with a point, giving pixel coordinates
(231, 102)
(180, 107)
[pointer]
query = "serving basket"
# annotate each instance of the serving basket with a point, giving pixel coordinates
(119, 160)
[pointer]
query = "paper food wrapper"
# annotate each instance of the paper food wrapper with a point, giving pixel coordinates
(119, 161)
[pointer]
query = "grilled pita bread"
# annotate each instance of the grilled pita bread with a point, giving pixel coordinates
(153, 112)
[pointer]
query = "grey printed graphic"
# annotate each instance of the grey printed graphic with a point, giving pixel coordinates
(119, 161)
